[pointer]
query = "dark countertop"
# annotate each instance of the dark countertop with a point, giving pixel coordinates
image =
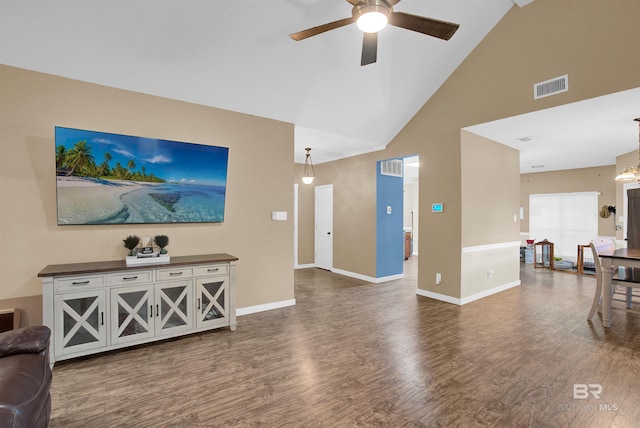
(119, 265)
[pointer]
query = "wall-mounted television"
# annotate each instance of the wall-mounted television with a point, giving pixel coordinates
(104, 178)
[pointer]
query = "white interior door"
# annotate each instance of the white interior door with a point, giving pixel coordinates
(324, 227)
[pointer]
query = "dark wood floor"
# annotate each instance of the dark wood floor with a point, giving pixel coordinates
(357, 354)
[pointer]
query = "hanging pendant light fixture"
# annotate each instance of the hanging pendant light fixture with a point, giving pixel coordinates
(308, 174)
(631, 173)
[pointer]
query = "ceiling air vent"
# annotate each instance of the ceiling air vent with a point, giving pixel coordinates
(551, 87)
(392, 167)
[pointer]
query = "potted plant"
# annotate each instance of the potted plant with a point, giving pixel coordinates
(131, 242)
(161, 241)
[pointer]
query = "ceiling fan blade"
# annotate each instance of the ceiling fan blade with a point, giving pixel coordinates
(432, 27)
(369, 48)
(301, 35)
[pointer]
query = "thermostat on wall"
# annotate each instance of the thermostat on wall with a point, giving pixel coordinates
(437, 208)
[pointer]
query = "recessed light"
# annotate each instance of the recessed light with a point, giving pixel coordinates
(525, 139)
(537, 166)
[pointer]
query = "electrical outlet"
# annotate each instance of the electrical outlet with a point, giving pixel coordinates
(490, 273)
(438, 278)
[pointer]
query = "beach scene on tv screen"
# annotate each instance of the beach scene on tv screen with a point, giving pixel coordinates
(104, 178)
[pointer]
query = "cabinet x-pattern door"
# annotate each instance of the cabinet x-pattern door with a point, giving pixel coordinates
(174, 310)
(212, 300)
(80, 322)
(133, 307)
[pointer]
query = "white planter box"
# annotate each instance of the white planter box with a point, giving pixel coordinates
(138, 261)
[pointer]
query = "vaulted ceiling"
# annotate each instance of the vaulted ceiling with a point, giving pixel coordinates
(237, 55)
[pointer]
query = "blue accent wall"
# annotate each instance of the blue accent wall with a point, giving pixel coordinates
(389, 228)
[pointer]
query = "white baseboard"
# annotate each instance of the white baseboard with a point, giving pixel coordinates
(305, 266)
(388, 278)
(468, 299)
(489, 292)
(368, 278)
(266, 307)
(437, 296)
(357, 275)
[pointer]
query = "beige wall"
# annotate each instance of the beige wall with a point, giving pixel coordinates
(354, 200)
(598, 179)
(545, 39)
(490, 191)
(306, 221)
(490, 200)
(259, 181)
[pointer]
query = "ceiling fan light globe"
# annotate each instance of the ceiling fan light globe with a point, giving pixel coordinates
(372, 22)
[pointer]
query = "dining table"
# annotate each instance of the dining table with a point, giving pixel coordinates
(627, 257)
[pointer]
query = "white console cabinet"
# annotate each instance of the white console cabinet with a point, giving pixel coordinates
(100, 306)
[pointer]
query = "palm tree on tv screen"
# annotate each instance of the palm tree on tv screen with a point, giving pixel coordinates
(61, 156)
(131, 165)
(80, 156)
(104, 167)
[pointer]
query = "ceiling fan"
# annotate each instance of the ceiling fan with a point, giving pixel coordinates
(372, 16)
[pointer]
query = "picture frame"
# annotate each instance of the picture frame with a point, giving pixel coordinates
(106, 178)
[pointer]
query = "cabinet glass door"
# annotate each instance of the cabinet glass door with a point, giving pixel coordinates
(79, 321)
(131, 309)
(211, 303)
(173, 307)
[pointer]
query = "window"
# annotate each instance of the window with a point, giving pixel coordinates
(566, 219)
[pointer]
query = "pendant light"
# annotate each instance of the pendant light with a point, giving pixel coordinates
(308, 174)
(631, 173)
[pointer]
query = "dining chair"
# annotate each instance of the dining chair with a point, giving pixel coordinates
(628, 281)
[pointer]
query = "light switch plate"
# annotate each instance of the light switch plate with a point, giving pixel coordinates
(278, 215)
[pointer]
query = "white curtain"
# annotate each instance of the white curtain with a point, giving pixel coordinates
(566, 219)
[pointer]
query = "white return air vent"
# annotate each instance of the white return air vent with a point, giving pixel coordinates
(392, 167)
(551, 87)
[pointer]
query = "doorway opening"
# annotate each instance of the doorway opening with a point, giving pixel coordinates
(411, 213)
(396, 216)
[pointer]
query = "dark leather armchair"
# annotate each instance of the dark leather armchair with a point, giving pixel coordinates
(25, 377)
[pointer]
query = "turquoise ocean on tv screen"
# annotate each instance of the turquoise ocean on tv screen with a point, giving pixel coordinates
(170, 203)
